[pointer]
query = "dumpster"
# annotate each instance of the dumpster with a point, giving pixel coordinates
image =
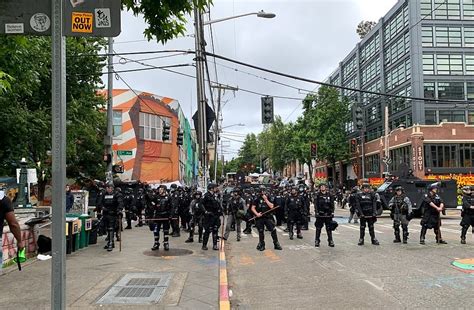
(86, 225)
(94, 231)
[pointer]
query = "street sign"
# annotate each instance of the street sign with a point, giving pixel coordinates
(98, 18)
(124, 153)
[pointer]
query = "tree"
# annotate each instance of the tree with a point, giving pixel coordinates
(25, 108)
(364, 28)
(330, 114)
(248, 153)
(4, 82)
(166, 18)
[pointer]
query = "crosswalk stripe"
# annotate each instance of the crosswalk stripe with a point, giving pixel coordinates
(254, 234)
(357, 228)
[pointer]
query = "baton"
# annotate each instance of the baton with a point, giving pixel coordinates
(120, 233)
(324, 216)
(161, 219)
(268, 211)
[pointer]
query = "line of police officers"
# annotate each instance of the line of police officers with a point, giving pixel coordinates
(165, 210)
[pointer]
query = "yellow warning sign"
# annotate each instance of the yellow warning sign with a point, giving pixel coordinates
(81, 22)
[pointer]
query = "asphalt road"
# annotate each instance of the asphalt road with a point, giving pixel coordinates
(390, 276)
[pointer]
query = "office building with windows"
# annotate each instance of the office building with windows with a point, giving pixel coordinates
(419, 49)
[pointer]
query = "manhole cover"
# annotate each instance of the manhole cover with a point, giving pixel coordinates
(171, 252)
(137, 288)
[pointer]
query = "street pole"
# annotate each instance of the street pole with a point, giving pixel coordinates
(387, 133)
(110, 108)
(216, 134)
(362, 148)
(201, 104)
(58, 109)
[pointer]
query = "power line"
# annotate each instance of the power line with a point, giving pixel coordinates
(133, 70)
(428, 15)
(120, 62)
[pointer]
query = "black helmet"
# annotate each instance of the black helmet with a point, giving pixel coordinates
(466, 189)
(433, 186)
(355, 188)
(197, 193)
(399, 188)
(366, 185)
(262, 188)
(110, 184)
(163, 186)
(174, 186)
(211, 186)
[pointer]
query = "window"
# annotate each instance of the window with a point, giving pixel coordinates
(466, 155)
(371, 71)
(428, 64)
(372, 164)
(395, 24)
(370, 98)
(349, 67)
(468, 7)
(429, 89)
(398, 75)
(447, 9)
(427, 36)
(443, 155)
(469, 64)
(448, 37)
(426, 9)
(117, 123)
(397, 50)
(452, 116)
(151, 126)
(349, 127)
(470, 90)
(449, 64)
(430, 117)
(374, 113)
(373, 133)
(370, 48)
(469, 36)
(470, 117)
(400, 156)
(397, 105)
(451, 90)
(402, 120)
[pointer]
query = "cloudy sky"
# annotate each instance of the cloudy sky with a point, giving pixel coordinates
(307, 38)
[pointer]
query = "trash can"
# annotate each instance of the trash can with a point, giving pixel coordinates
(94, 231)
(86, 226)
(69, 238)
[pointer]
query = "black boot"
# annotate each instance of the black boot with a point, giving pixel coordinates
(290, 231)
(110, 246)
(330, 241)
(361, 237)
(423, 235)
(463, 234)
(214, 241)
(317, 240)
(439, 239)
(261, 246)
(298, 232)
(166, 246)
(372, 236)
(156, 246)
(204, 242)
(397, 234)
(191, 236)
(405, 233)
(276, 244)
(261, 241)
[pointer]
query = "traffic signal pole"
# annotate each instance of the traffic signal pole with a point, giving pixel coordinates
(110, 107)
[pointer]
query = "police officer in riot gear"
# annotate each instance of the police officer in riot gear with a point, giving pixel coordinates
(197, 211)
(467, 212)
(212, 215)
(352, 200)
(129, 206)
(249, 198)
(295, 207)
(111, 206)
(175, 200)
(260, 207)
(324, 212)
(140, 204)
(366, 204)
(280, 202)
(433, 207)
(236, 211)
(400, 210)
(159, 214)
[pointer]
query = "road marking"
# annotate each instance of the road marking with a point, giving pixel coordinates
(373, 285)
(312, 228)
(246, 260)
(358, 229)
(339, 264)
(450, 230)
(272, 256)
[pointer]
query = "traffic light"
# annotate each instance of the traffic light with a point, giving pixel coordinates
(314, 150)
(359, 118)
(179, 141)
(353, 145)
(166, 132)
(117, 168)
(267, 110)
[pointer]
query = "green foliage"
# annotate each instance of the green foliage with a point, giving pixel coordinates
(166, 18)
(5, 80)
(249, 152)
(25, 107)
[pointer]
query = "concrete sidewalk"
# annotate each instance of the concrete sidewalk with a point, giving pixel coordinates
(188, 277)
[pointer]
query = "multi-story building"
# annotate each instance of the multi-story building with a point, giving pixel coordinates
(138, 119)
(419, 49)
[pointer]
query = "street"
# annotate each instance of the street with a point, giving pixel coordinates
(392, 276)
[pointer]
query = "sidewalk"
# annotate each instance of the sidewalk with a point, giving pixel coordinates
(188, 277)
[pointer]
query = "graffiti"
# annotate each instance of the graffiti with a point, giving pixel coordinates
(465, 265)
(9, 246)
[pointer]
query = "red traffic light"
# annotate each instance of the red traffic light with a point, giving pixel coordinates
(314, 150)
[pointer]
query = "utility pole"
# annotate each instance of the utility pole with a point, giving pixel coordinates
(110, 105)
(387, 134)
(201, 102)
(219, 88)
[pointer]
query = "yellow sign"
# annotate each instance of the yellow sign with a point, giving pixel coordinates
(81, 22)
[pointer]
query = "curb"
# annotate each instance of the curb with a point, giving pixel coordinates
(224, 302)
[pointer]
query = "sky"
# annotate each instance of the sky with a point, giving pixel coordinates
(307, 38)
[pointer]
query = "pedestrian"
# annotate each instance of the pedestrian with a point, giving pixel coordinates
(212, 216)
(467, 212)
(236, 211)
(260, 208)
(112, 207)
(324, 212)
(160, 213)
(7, 213)
(197, 213)
(295, 206)
(69, 199)
(433, 206)
(366, 204)
(400, 211)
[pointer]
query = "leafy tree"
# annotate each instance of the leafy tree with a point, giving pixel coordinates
(365, 27)
(166, 18)
(248, 153)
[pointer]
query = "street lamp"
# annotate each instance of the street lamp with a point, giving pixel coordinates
(21, 200)
(261, 14)
(239, 124)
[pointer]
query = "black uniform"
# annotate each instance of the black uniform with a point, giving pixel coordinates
(264, 221)
(352, 200)
(280, 212)
(236, 211)
(431, 217)
(400, 209)
(467, 215)
(324, 210)
(197, 210)
(249, 198)
(211, 220)
(140, 204)
(160, 212)
(130, 208)
(175, 200)
(296, 209)
(366, 204)
(112, 206)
